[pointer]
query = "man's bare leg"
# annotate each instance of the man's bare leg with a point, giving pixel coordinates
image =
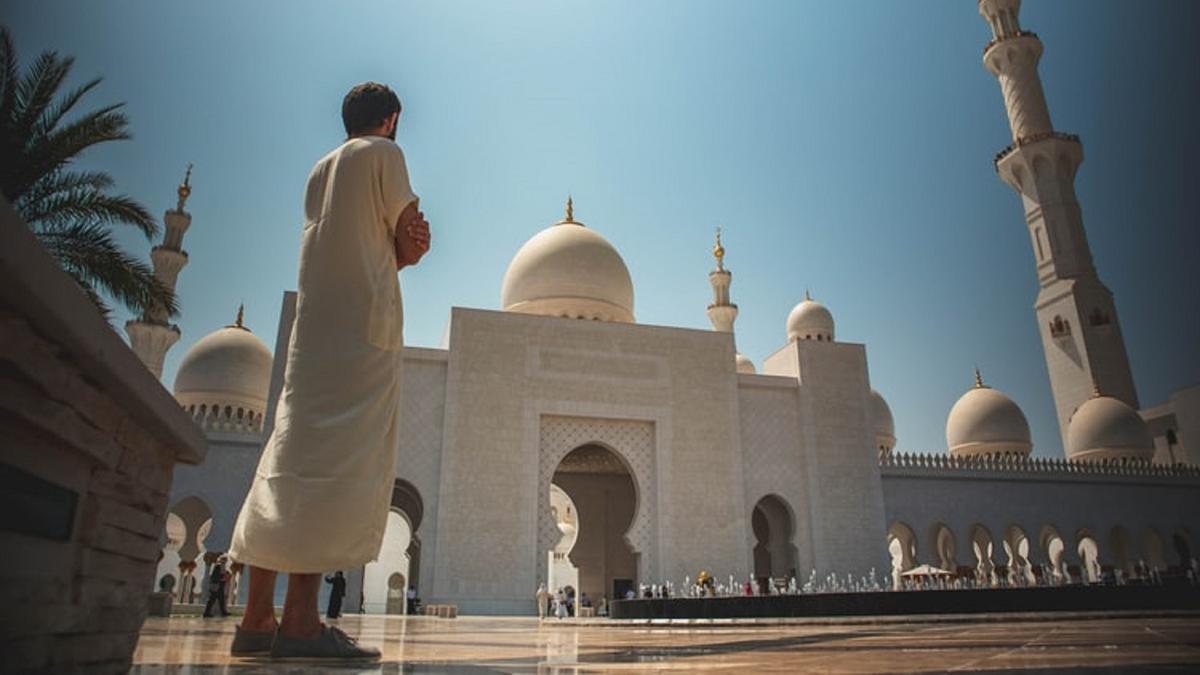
(260, 602)
(301, 619)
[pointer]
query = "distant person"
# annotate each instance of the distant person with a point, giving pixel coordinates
(217, 580)
(542, 598)
(336, 593)
(584, 600)
(560, 604)
(317, 499)
(413, 603)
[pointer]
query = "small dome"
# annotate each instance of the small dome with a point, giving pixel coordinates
(229, 368)
(882, 423)
(810, 320)
(569, 270)
(1107, 429)
(986, 422)
(744, 364)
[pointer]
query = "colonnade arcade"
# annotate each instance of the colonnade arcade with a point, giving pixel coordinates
(1044, 554)
(184, 560)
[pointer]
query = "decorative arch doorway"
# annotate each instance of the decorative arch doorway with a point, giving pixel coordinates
(393, 562)
(193, 520)
(902, 547)
(631, 445)
(775, 552)
(599, 488)
(396, 594)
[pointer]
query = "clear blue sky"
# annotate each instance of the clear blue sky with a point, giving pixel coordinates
(844, 146)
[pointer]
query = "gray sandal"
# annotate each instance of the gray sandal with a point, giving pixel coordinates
(332, 643)
(252, 642)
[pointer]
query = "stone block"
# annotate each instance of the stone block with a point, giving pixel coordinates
(99, 652)
(130, 544)
(128, 490)
(31, 405)
(159, 604)
(39, 361)
(109, 511)
(104, 565)
(106, 593)
(26, 654)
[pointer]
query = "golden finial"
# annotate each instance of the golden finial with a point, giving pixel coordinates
(239, 322)
(979, 379)
(807, 294)
(719, 252)
(570, 210)
(1096, 393)
(185, 188)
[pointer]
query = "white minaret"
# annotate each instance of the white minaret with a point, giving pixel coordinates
(1080, 332)
(151, 335)
(722, 313)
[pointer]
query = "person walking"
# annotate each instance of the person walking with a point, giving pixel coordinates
(218, 579)
(331, 459)
(336, 593)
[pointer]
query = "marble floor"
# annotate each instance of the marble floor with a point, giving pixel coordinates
(523, 645)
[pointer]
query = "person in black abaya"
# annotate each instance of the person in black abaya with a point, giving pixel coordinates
(338, 580)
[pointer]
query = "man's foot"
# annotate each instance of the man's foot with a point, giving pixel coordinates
(330, 643)
(251, 642)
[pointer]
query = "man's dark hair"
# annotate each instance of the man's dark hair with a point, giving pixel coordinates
(367, 106)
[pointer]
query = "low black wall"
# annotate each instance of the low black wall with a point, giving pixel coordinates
(976, 601)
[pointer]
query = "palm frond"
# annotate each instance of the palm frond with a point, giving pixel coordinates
(89, 254)
(72, 212)
(101, 306)
(8, 75)
(52, 151)
(35, 91)
(65, 196)
(56, 112)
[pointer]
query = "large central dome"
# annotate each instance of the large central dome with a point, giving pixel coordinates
(571, 271)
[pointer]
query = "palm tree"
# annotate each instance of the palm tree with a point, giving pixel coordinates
(72, 212)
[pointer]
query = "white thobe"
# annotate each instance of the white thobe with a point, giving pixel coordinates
(320, 496)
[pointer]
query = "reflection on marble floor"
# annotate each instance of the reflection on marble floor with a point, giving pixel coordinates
(521, 645)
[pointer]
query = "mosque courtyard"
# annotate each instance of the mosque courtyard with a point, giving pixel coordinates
(987, 643)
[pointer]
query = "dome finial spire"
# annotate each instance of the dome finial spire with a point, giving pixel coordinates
(570, 209)
(1096, 393)
(719, 252)
(185, 189)
(807, 294)
(241, 316)
(979, 379)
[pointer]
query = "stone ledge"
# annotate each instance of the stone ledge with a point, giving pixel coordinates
(33, 284)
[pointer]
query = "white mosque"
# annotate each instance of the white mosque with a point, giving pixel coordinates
(559, 441)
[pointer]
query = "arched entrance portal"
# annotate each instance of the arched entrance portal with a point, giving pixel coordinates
(774, 551)
(596, 482)
(396, 593)
(190, 526)
(393, 562)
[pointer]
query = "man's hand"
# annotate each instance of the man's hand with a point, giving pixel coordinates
(412, 237)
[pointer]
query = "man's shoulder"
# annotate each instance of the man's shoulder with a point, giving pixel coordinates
(367, 147)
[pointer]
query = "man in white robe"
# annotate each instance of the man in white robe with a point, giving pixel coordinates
(320, 496)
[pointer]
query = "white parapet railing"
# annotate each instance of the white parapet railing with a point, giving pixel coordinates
(934, 462)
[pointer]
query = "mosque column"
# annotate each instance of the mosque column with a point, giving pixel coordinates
(152, 334)
(1077, 317)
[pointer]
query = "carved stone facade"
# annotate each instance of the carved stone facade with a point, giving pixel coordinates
(633, 442)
